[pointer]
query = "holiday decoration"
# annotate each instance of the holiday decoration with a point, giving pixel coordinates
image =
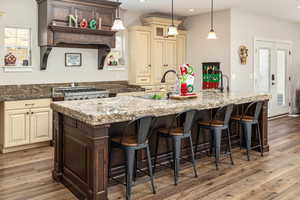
(187, 80)
(100, 23)
(73, 20)
(211, 75)
(92, 24)
(83, 24)
(243, 54)
(10, 60)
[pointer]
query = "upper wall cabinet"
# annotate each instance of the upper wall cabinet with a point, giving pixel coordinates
(55, 30)
(152, 52)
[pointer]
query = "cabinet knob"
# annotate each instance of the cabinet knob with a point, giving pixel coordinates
(27, 113)
(149, 65)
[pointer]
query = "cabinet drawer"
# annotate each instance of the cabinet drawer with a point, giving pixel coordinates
(35, 103)
(142, 80)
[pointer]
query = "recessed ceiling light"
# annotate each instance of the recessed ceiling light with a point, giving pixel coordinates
(191, 9)
(142, 1)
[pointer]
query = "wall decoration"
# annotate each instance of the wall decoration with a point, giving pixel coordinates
(211, 75)
(243, 54)
(73, 60)
(116, 57)
(187, 79)
(83, 24)
(10, 60)
(93, 24)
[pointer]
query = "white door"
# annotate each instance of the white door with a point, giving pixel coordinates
(271, 74)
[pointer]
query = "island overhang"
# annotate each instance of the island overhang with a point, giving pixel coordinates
(124, 108)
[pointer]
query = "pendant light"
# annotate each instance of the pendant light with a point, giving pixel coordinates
(212, 34)
(118, 23)
(172, 29)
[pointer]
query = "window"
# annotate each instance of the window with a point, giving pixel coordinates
(17, 47)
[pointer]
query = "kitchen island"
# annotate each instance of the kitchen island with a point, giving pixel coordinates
(82, 129)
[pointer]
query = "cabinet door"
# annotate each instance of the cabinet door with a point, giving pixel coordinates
(160, 32)
(143, 58)
(159, 62)
(40, 125)
(16, 127)
(171, 59)
(181, 49)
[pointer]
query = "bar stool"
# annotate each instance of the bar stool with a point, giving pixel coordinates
(177, 133)
(217, 125)
(132, 143)
(247, 121)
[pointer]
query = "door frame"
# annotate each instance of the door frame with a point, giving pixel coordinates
(277, 41)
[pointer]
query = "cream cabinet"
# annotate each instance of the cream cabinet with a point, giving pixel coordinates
(40, 125)
(140, 55)
(152, 53)
(25, 124)
(16, 127)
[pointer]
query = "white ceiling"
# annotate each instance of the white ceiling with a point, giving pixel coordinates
(286, 9)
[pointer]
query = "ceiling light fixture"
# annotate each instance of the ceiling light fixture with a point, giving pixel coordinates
(118, 23)
(191, 9)
(172, 28)
(212, 34)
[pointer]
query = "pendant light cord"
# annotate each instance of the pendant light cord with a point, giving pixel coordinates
(212, 15)
(172, 12)
(118, 11)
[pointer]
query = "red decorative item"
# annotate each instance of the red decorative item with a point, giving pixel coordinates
(10, 60)
(83, 23)
(184, 89)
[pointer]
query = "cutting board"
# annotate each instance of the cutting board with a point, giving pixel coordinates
(178, 97)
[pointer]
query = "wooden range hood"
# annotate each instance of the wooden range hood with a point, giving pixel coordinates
(54, 30)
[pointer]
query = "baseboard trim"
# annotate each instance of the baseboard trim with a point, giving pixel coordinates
(24, 147)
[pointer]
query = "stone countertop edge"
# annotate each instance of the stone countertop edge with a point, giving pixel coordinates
(98, 112)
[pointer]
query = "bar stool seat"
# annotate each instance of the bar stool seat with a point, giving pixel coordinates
(129, 141)
(242, 118)
(174, 131)
(214, 123)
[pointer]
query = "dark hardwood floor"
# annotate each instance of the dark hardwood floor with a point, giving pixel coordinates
(27, 175)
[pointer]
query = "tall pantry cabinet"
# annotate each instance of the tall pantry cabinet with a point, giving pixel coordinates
(152, 53)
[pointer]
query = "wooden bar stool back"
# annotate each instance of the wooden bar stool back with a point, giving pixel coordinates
(130, 142)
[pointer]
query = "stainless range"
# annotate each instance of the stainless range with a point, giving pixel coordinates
(78, 93)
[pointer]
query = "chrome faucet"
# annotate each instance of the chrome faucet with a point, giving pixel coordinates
(163, 80)
(222, 82)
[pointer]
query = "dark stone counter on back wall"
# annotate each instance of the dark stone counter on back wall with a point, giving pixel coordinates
(39, 91)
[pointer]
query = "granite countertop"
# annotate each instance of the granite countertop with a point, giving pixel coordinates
(41, 91)
(124, 108)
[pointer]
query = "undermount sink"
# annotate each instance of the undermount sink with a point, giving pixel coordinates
(153, 97)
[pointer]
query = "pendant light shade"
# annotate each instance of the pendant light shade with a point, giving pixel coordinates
(118, 23)
(212, 34)
(172, 29)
